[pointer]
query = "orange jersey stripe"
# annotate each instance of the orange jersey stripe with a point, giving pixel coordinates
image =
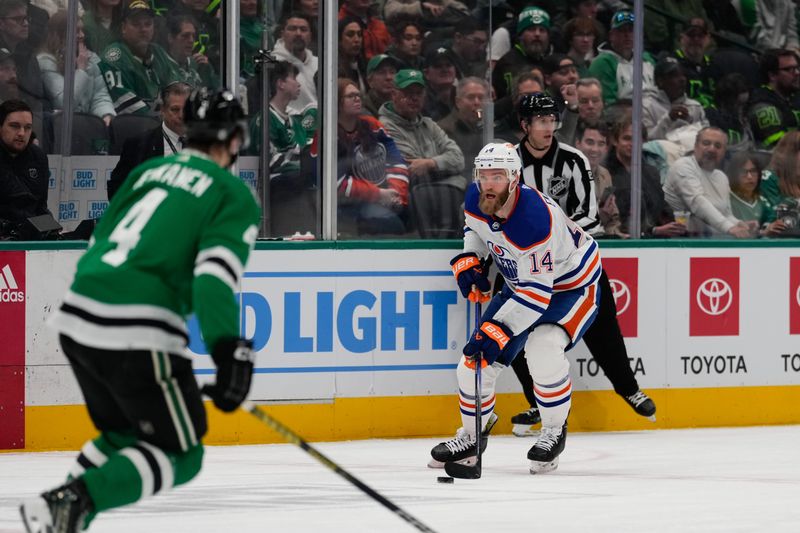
(578, 281)
(534, 296)
(583, 310)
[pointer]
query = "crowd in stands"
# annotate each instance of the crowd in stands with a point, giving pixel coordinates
(419, 87)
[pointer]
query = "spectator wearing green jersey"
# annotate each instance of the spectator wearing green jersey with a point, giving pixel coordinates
(135, 68)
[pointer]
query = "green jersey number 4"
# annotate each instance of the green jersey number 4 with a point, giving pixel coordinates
(129, 230)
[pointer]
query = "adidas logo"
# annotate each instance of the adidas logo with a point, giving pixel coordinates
(9, 290)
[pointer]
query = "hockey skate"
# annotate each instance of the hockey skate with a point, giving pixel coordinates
(461, 449)
(61, 510)
(544, 454)
(524, 422)
(642, 404)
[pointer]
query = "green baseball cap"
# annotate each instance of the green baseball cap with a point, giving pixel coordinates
(532, 16)
(378, 60)
(408, 76)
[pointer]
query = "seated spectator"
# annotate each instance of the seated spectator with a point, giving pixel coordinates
(209, 37)
(656, 216)
(773, 105)
(670, 110)
(780, 185)
(351, 56)
(695, 184)
(372, 176)
(505, 35)
(376, 36)
(465, 123)
(165, 139)
(532, 46)
(469, 48)
(24, 171)
(560, 76)
(507, 126)
(101, 22)
(290, 135)
(135, 68)
(744, 172)
(14, 37)
(295, 31)
(776, 25)
(592, 139)
(590, 100)
(729, 111)
(90, 94)
(440, 79)
(614, 62)
(381, 70)
(581, 37)
(251, 28)
(724, 18)
(431, 155)
(307, 8)
(407, 36)
(434, 13)
(660, 32)
(8, 77)
(192, 67)
(693, 44)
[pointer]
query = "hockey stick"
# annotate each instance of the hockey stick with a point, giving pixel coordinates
(294, 438)
(460, 470)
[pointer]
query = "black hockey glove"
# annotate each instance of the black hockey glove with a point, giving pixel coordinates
(234, 359)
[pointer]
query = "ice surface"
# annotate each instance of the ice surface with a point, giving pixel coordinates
(727, 480)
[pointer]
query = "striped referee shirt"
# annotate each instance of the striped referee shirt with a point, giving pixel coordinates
(564, 174)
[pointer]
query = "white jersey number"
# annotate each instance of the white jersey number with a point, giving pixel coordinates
(128, 231)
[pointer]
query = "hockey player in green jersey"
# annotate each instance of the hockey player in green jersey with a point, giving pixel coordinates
(135, 68)
(174, 241)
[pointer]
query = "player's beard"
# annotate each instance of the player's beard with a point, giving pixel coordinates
(490, 206)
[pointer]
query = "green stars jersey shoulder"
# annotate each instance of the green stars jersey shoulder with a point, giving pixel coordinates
(132, 83)
(173, 242)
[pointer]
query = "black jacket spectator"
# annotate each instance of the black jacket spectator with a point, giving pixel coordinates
(23, 183)
(136, 151)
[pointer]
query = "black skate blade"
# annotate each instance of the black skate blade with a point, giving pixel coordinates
(462, 471)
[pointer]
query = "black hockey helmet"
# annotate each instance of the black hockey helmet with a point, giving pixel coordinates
(537, 105)
(214, 116)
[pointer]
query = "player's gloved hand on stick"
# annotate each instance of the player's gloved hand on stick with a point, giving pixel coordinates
(234, 358)
(491, 339)
(471, 279)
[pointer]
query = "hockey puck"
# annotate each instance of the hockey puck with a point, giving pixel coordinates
(445, 479)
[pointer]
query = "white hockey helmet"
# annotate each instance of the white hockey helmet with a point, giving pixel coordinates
(499, 155)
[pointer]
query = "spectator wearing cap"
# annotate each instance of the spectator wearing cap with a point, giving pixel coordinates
(660, 33)
(693, 43)
(532, 46)
(406, 48)
(465, 123)
(381, 70)
(774, 104)
(432, 156)
(14, 37)
(670, 108)
(376, 36)
(581, 39)
(560, 77)
(135, 68)
(469, 48)
(8, 77)
(351, 52)
(440, 79)
(613, 66)
(293, 46)
(506, 34)
(776, 25)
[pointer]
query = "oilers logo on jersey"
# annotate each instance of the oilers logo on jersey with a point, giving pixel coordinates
(504, 260)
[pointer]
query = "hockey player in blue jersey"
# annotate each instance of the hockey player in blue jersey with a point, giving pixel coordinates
(551, 267)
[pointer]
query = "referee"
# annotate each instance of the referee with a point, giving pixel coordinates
(563, 173)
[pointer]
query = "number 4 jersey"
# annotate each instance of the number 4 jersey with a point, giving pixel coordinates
(538, 250)
(174, 241)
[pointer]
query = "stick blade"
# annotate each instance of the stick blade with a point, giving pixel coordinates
(462, 471)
